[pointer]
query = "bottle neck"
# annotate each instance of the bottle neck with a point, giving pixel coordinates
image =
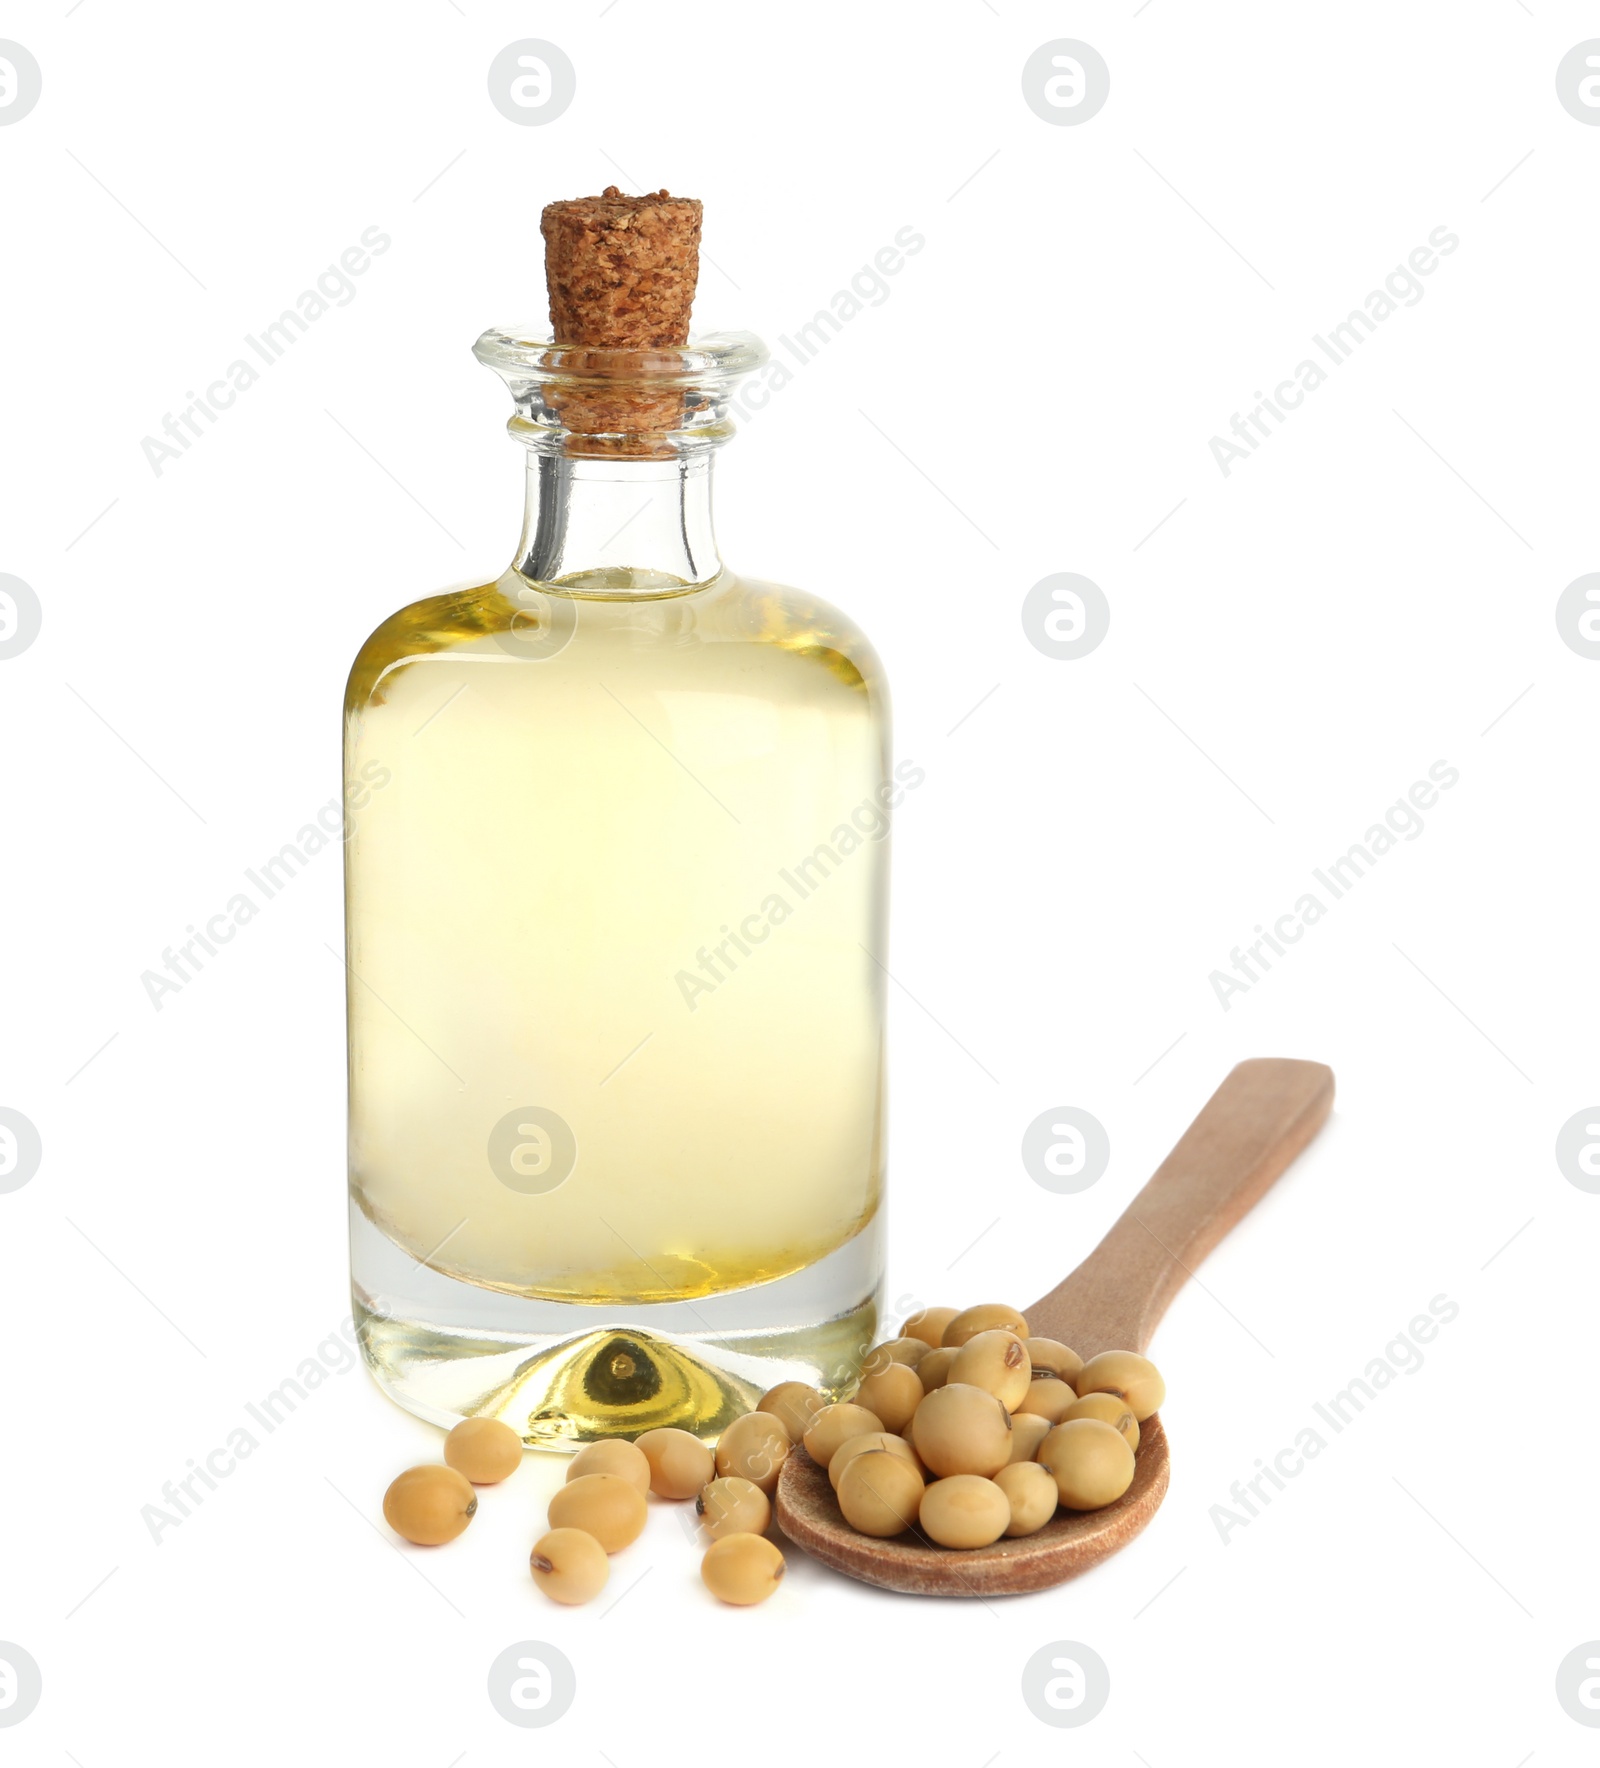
(616, 527)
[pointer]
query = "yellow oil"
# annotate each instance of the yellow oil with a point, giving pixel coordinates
(546, 851)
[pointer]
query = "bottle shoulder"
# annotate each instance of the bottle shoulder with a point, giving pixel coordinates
(808, 627)
(511, 620)
(428, 628)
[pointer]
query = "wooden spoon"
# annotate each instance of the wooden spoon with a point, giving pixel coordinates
(1253, 1126)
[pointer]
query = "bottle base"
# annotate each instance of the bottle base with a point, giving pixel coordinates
(562, 1374)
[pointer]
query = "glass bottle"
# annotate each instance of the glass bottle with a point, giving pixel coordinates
(615, 902)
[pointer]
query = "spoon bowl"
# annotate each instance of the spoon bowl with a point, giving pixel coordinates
(1071, 1542)
(1250, 1130)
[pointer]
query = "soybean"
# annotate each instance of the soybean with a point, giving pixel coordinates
(569, 1566)
(430, 1505)
(1048, 1398)
(680, 1464)
(1136, 1379)
(962, 1430)
(965, 1511)
(1090, 1462)
(1109, 1409)
(794, 1405)
(1052, 1357)
(928, 1324)
(755, 1448)
(603, 1505)
(986, 1317)
(934, 1369)
(880, 1493)
(996, 1361)
(742, 1569)
(894, 1393)
(612, 1455)
(1031, 1492)
(733, 1506)
(485, 1450)
(909, 1351)
(834, 1425)
(1028, 1430)
(872, 1439)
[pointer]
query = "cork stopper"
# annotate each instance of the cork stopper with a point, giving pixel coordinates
(622, 269)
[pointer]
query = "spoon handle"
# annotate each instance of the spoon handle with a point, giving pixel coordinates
(1252, 1127)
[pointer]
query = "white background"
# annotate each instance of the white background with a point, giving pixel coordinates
(1291, 646)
